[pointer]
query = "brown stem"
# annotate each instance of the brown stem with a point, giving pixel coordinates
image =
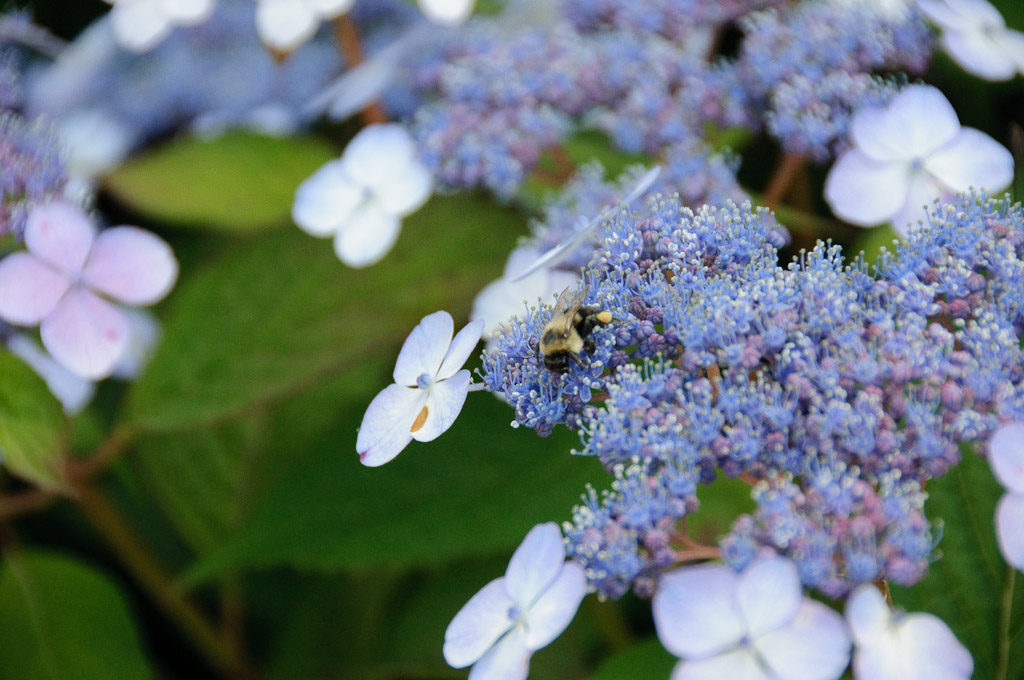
(782, 178)
(105, 455)
(152, 578)
(25, 502)
(883, 586)
(347, 33)
(697, 554)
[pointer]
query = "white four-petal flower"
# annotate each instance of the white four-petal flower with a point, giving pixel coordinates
(447, 12)
(975, 35)
(140, 24)
(513, 616)
(68, 277)
(897, 646)
(908, 154)
(1006, 455)
(361, 198)
(286, 24)
(428, 393)
(751, 626)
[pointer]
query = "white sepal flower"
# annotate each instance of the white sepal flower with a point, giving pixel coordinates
(139, 25)
(428, 393)
(513, 616)
(897, 646)
(504, 299)
(751, 626)
(975, 35)
(361, 198)
(72, 281)
(447, 12)
(1006, 455)
(284, 25)
(908, 154)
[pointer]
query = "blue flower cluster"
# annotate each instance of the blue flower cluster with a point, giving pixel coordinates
(835, 388)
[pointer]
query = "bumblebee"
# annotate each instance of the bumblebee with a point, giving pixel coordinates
(568, 331)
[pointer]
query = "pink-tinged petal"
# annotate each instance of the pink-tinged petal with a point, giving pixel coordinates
(815, 645)
(285, 24)
(72, 391)
(1006, 456)
(378, 154)
(737, 664)
(769, 594)
(555, 608)
(977, 53)
(139, 24)
(868, 615)
(325, 200)
(367, 236)
(535, 564)
(60, 235)
(424, 349)
(695, 611)
(143, 334)
(509, 659)
(447, 12)
(406, 192)
(922, 193)
(131, 265)
(972, 159)
(478, 625)
(188, 12)
(866, 192)
(933, 651)
(386, 425)
(460, 349)
(443, 405)
(85, 333)
(29, 289)
(1010, 529)
(916, 122)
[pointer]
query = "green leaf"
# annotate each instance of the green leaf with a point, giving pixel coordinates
(60, 619)
(31, 424)
(278, 314)
(475, 491)
(646, 660)
(965, 587)
(240, 181)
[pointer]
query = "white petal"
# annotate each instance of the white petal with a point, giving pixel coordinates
(916, 122)
(378, 154)
(60, 235)
(85, 333)
(509, 659)
(96, 142)
(922, 192)
(738, 664)
(932, 649)
(1010, 529)
(695, 612)
(443, 405)
(143, 333)
(979, 54)
(187, 12)
(424, 349)
(556, 607)
(447, 12)
(1012, 43)
(326, 199)
(72, 391)
(972, 159)
(139, 24)
(477, 626)
(962, 15)
(367, 236)
(866, 192)
(131, 265)
(815, 645)
(1006, 456)
(406, 192)
(285, 24)
(868, 615)
(460, 349)
(940, 13)
(536, 563)
(769, 594)
(29, 289)
(328, 9)
(384, 431)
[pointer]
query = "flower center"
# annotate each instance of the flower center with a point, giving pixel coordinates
(424, 381)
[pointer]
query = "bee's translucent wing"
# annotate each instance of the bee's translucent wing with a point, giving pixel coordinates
(556, 254)
(568, 303)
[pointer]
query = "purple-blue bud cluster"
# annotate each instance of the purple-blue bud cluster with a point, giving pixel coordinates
(835, 388)
(32, 169)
